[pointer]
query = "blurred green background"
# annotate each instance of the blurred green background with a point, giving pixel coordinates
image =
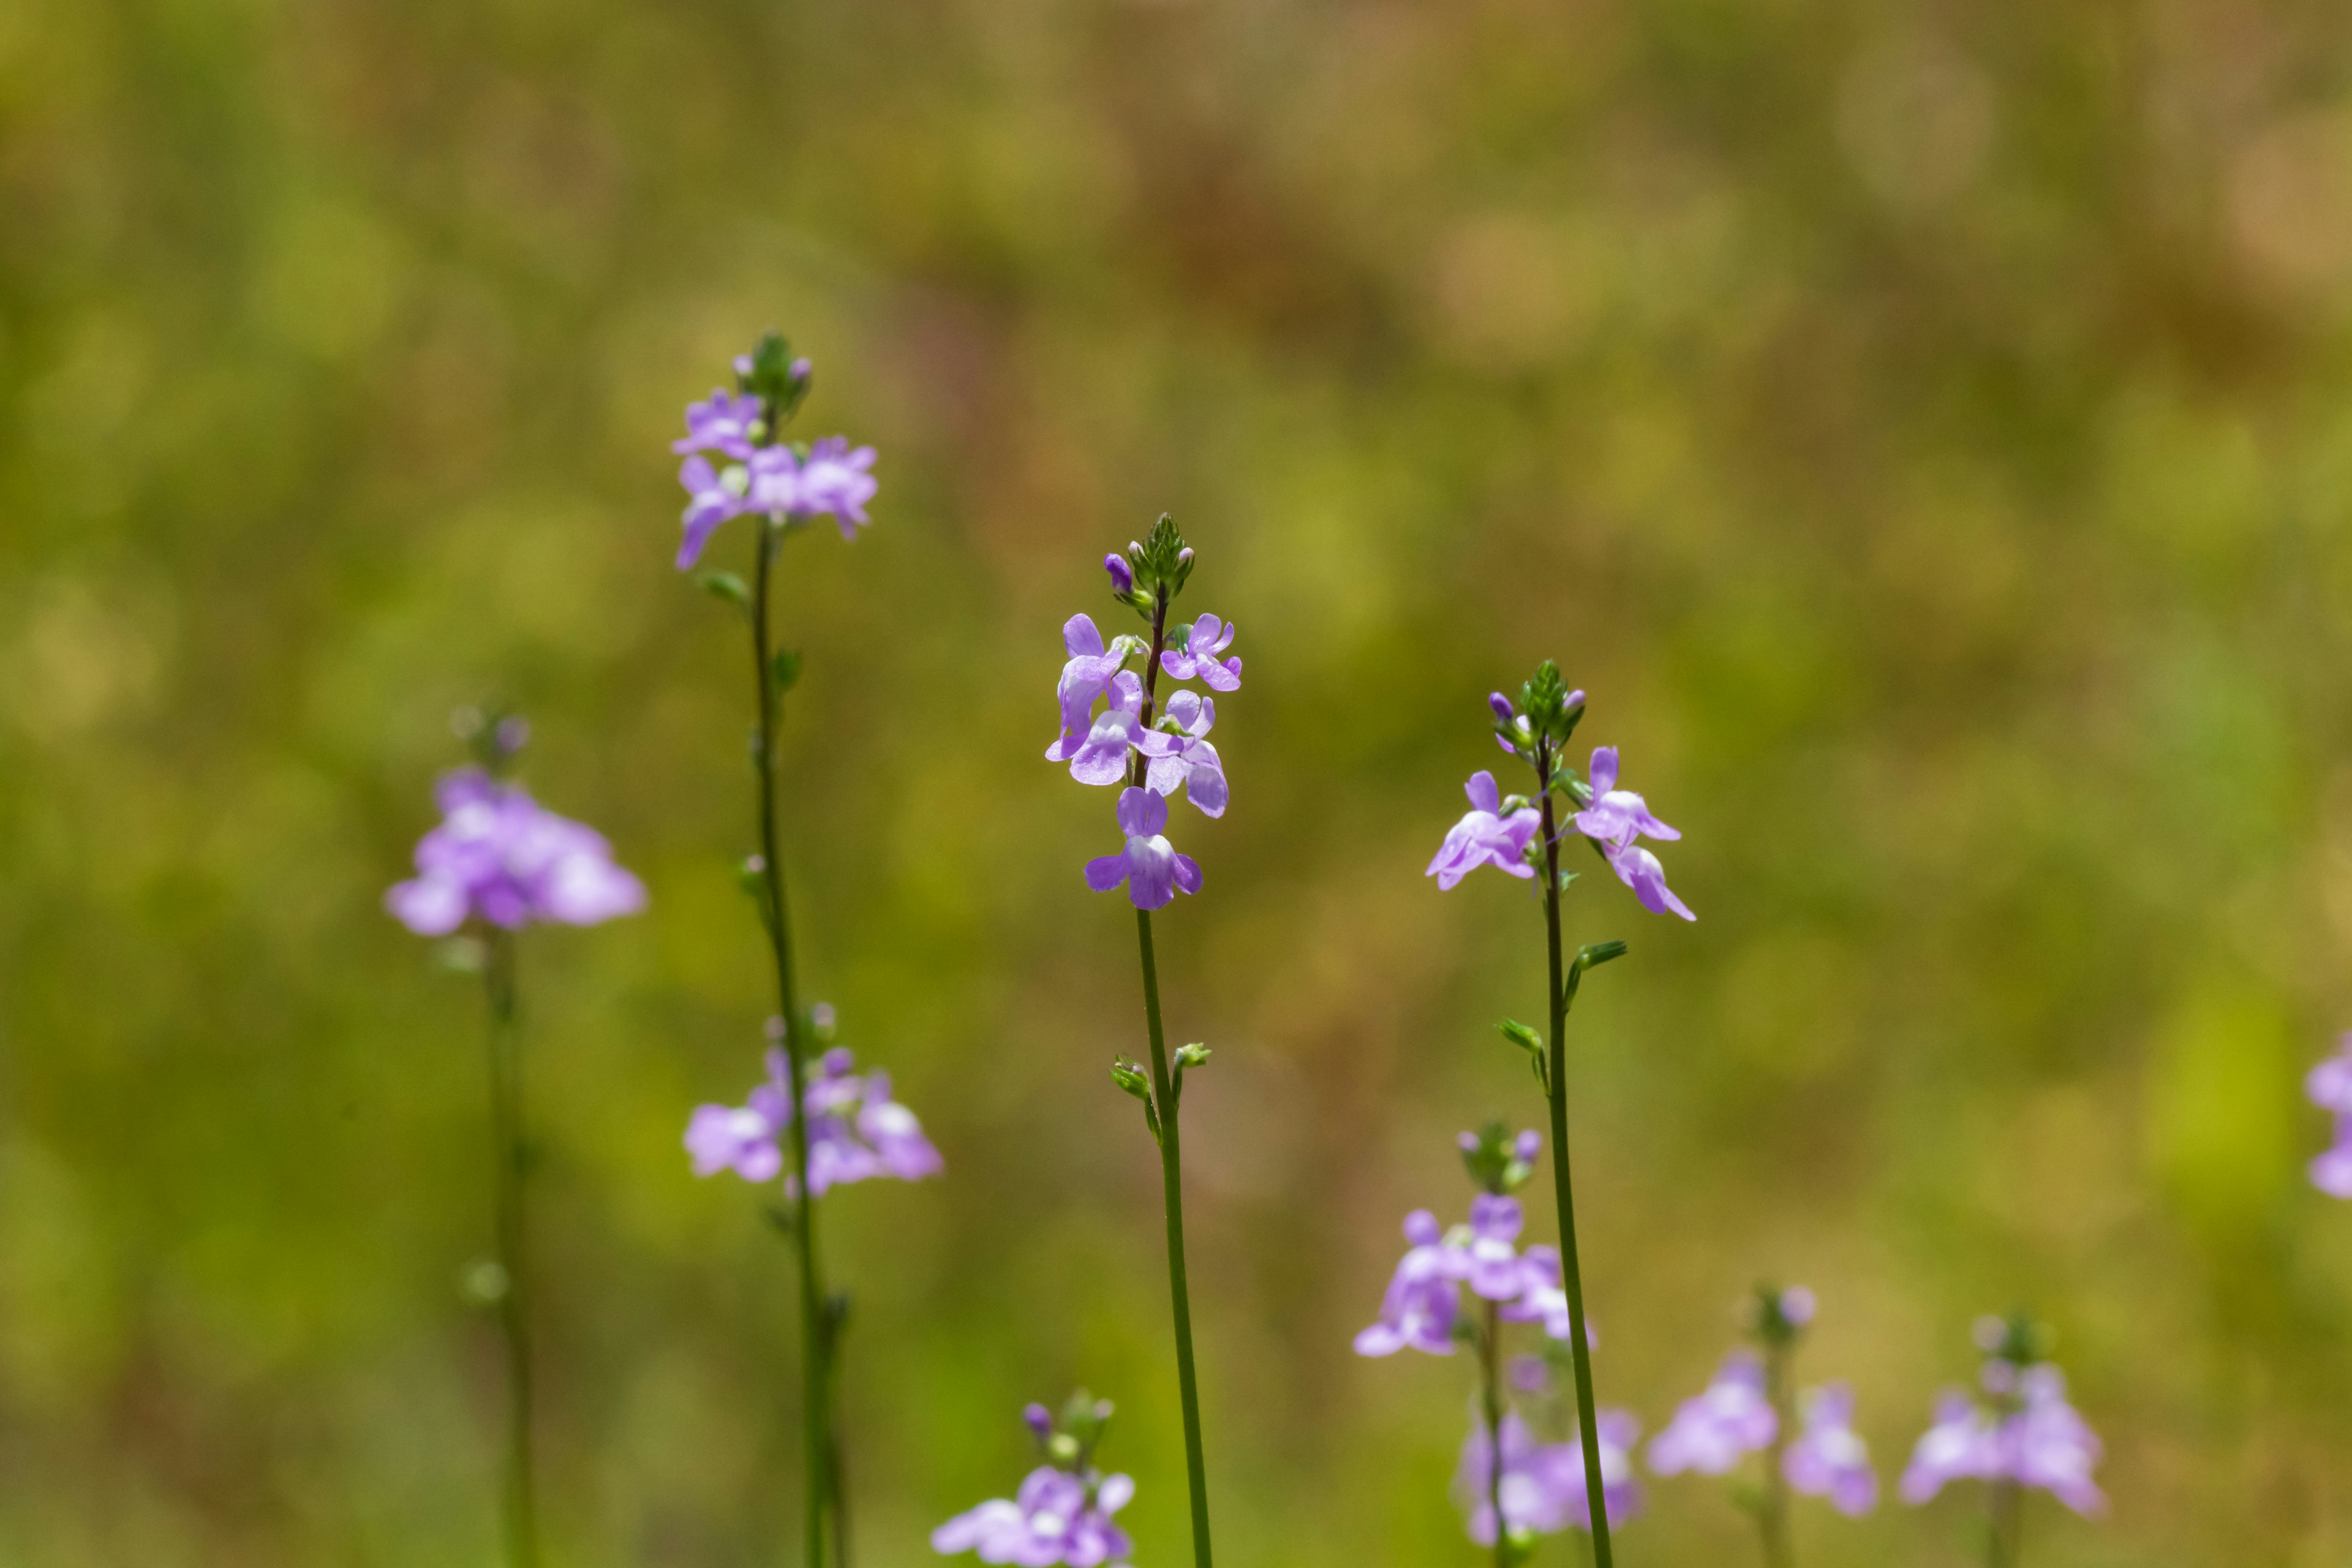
(1924, 428)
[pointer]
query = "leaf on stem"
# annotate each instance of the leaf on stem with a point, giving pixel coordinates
(786, 669)
(1592, 956)
(726, 585)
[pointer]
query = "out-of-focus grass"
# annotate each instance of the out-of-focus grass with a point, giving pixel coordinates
(1924, 431)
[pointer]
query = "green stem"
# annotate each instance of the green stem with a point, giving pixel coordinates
(816, 1438)
(2006, 1501)
(1172, 1147)
(1563, 992)
(514, 1317)
(1491, 1396)
(1772, 1513)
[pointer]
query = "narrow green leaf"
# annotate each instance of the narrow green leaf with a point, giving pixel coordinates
(725, 585)
(785, 667)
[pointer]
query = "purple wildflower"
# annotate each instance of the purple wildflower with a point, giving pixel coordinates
(1198, 657)
(1796, 1305)
(721, 425)
(1616, 820)
(1100, 758)
(856, 1131)
(836, 480)
(1085, 678)
(1122, 575)
(2330, 1088)
(1150, 867)
(1419, 1310)
(1542, 1484)
(712, 497)
(500, 856)
(2039, 1441)
(1492, 1266)
(1485, 837)
(1058, 1517)
(1185, 757)
(1829, 1459)
(1713, 1432)
(1621, 1494)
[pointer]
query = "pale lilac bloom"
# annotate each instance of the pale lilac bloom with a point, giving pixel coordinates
(1797, 1305)
(2330, 1088)
(1419, 1310)
(1616, 820)
(1491, 1264)
(712, 497)
(500, 856)
(1958, 1446)
(1148, 865)
(744, 1139)
(1483, 836)
(1056, 1518)
(1101, 757)
(1085, 678)
(1541, 1299)
(1197, 659)
(1712, 1433)
(856, 1130)
(1186, 759)
(1828, 1458)
(836, 479)
(2331, 1172)
(1543, 1484)
(721, 425)
(2044, 1442)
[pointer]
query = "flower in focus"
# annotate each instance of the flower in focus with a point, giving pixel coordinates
(1197, 659)
(1713, 1432)
(1186, 757)
(856, 1130)
(1100, 758)
(1085, 678)
(1828, 1459)
(1616, 820)
(1148, 865)
(721, 425)
(2330, 1088)
(1062, 1514)
(1485, 837)
(499, 857)
(1418, 1311)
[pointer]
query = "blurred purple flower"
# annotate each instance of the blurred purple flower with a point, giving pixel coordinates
(1797, 1305)
(2041, 1442)
(712, 497)
(1491, 1265)
(1418, 1311)
(856, 1131)
(1056, 1518)
(500, 856)
(1828, 1459)
(723, 424)
(2330, 1088)
(1186, 757)
(1616, 820)
(1483, 836)
(1713, 1432)
(1542, 1484)
(1197, 659)
(1148, 865)
(836, 479)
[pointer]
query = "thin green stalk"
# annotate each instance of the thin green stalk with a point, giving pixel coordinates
(2006, 1503)
(1772, 1510)
(514, 1317)
(1563, 992)
(1491, 1396)
(1172, 1151)
(816, 1437)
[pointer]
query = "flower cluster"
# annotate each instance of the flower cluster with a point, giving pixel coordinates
(1151, 754)
(855, 1129)
(1062, 1514)
(1713, 1432)
(500, 856)
(2330, 1088)
(755, 471)
(1501, 831)
(1543, 1487)
(1422, 1309)
(2026, 1434)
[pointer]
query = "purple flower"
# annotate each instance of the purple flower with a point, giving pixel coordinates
(856, 1130)
(1122, 575)
(1085, 678)
(1198, 657)
(721, 425)
(838, 480)
(1100, 757)
(712, 497)
(1715, 1431)
(1797, 1305)
(1150, 867)
(1492, 1266)
(1418, 1311)
(2041, 1441)
(1542, 1484)
(1185, 758)
(2330, 1088)
(1057, 1518)
(1616, 820)
(499, 857)
(1485, 838)
(1621, 1494)
(1828, 1459)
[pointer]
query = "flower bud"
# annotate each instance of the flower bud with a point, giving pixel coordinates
(1184, 556)
(1529, 1145)
(1040, 1420)
(799, 368)
(1502, 707)
(1123, 577)
(513, 734)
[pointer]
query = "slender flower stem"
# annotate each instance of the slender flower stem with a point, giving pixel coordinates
(1563, 992)
(815, 1347)
(1772, 1510)
(2006, 1500)
(514, 1317)
(1171, 1153)
(1490, 1390)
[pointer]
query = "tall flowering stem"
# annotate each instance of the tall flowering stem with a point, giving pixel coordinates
(1152, 752)
(511, 1158)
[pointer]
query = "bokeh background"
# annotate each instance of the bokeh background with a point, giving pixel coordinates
(1924, 428)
